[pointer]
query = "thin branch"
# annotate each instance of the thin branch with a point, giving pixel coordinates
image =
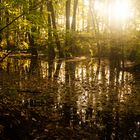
(11, 22)
(34, 8)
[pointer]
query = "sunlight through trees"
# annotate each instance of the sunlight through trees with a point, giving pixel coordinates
(25, 26)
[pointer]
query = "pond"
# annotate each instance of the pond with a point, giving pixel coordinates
(75, 99)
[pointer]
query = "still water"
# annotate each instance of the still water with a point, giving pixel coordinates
(76, 99)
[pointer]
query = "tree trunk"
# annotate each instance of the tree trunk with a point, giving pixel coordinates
(67, 40)
(57, 41)
(51, 52)
(68, 14)
(33, 48)
(73, 25)
(83, 17)
(95, 24)
(89, 16)
(0, 23)
(7, 31)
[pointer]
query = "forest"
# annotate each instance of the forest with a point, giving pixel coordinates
(69, 69)
(60, 29)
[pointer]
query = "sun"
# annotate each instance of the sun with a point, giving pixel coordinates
(120, 10)
(116, 10)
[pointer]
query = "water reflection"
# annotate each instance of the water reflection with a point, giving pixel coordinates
(94, 99)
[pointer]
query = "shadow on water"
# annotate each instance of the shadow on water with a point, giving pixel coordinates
(69, 99)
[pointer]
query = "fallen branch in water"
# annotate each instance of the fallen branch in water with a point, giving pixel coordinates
(134, 68)
(30, 91)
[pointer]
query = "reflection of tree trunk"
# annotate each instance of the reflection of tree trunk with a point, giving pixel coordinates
(69, 72)
(122, 56)
(114, 82)
(70, 88)
(56, 74)
(50, 68)
(72, 75)
(103, 75)
(87, 74)
(115, 97)
(116, 130)
(92, 70)
(33, 65)
(67, 97)
(112, 73)
(66, 109)
(113, 94)
(98, 70)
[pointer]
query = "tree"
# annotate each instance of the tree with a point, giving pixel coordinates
(73, 25)
(54, 27)
(0, 21)
(67, 43)
(51, 52)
